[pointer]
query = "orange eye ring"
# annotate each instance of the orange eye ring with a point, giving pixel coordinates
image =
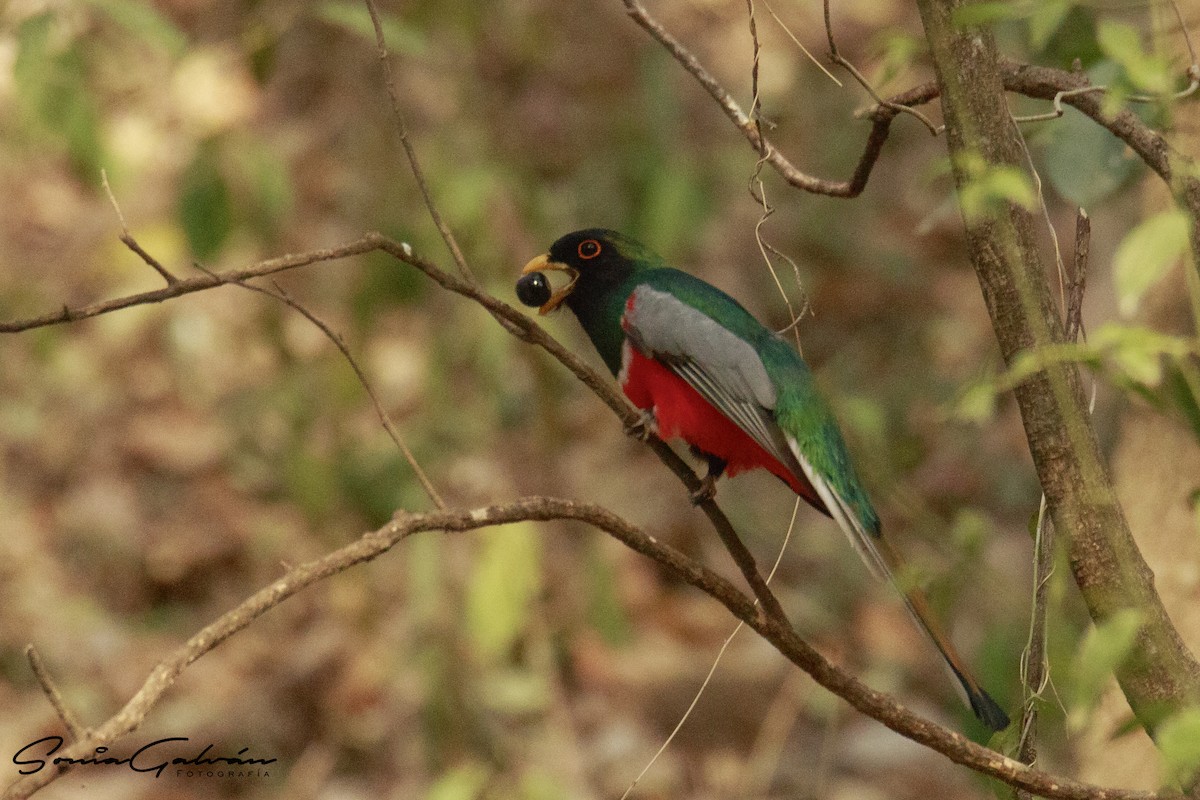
(589, 249)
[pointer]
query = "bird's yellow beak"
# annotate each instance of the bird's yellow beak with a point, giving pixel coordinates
(543, 264)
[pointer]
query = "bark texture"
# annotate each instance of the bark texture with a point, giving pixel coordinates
(1162, 675)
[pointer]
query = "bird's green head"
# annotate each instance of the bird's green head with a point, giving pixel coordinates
(595, 260)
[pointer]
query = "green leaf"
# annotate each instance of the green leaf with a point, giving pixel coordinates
(605, 612)
(992, 186)
(1178, 739)
(1181, 389)
(978, 403)
(204, 206)
(898, 51)
(1146, 254)
(1123, 44)
(1138, 353)
(1074, 38)
(1103, 650)
(1045, 20)
(30, 74)
(506, 578)
(539, 785)
(264, 182)
(1084, 162)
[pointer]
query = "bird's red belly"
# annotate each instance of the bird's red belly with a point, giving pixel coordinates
(680, 411)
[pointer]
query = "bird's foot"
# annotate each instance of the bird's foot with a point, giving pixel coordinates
(707, 490)
(644, 427)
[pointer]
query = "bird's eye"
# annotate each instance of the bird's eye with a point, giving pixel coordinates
(588, 249)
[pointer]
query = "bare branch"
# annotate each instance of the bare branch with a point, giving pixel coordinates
(280, 294)
(72, 723)
(374, 544)
(410, 152)
(195, 284)
(127, 238)
(837, 58)
(853, 187)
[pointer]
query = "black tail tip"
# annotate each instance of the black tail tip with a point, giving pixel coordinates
(988, 711)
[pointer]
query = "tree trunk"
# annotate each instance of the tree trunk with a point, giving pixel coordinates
(1161, 676)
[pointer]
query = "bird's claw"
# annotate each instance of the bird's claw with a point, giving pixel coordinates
(643, 428)
(707, 490)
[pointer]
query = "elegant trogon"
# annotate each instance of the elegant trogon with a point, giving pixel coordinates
(706, 371)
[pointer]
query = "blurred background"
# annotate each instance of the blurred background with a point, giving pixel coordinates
(160, 464)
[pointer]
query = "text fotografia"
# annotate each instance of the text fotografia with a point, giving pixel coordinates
(156, 757)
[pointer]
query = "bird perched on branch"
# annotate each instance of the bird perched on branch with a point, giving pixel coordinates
(704, 370)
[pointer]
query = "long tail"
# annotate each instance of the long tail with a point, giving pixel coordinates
(986, 709)
(885, 563)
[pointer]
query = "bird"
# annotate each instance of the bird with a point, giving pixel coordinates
(701, 368)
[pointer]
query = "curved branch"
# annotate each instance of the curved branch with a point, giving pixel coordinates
(374, 544)
(881, 117)
(1180, 172)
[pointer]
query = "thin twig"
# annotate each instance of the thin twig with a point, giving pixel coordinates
(127, 238)
(281, 294)
(758, 189)
(410, 153)
(50, 689)
(1034, 668)
(799, 44)
(881, 117)
(198, 283)
(836, 57)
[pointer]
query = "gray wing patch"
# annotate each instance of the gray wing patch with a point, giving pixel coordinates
(723, 368)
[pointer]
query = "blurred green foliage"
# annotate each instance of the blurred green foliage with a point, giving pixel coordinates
(204, 211)
(1103, 649)
(1179, 740)
(54, 100)
(161, 463)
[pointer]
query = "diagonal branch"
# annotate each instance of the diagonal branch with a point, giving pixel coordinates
(410, 153)
(514, 321)
(374, 544)
(881, 117)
